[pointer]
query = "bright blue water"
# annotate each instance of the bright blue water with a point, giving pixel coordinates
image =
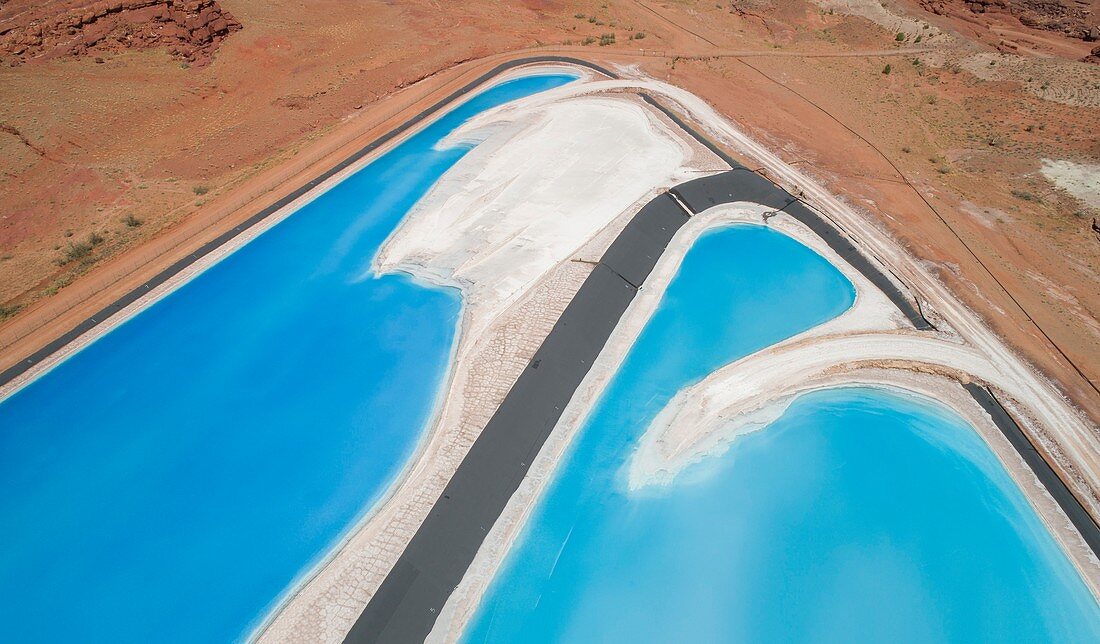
(861, 515)
(169, 481)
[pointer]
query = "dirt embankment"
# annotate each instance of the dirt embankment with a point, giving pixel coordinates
(188, 29)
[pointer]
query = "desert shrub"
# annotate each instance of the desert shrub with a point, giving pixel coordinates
(8, 310)
(1025, 195)
(639, 35)
(200, 190)
(607, 39)
(886, 70)
(80, 250)
(900, 37)
(131, 221)
(76, 252)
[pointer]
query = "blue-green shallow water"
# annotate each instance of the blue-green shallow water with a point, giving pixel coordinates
(169, 481)
(861, 515)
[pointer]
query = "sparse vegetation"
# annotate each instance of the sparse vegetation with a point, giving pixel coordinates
(200, 190)
(8, 310)
(579, 16)
(80, 250)
(906, 149)
(131, 221)
(75, 252)
(1025, 195)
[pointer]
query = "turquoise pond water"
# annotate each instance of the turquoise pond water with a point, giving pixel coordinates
(860, 515)
(170, 480)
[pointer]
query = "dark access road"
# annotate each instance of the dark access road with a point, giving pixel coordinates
(406, 605)
(411, 597)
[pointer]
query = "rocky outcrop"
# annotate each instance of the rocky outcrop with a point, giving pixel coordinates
(1073, 18)
(190, 30)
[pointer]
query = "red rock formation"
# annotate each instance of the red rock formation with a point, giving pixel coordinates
(189, 29)
(1071, 17)
(1076, 19)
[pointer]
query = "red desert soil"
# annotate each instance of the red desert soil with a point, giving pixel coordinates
(110, 171)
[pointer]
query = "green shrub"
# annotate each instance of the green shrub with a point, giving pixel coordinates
(8, 310)
(75, 252)
(886, 70)
(900, 37)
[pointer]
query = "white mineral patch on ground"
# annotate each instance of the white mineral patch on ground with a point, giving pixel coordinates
(506, 214)
(1082, 180)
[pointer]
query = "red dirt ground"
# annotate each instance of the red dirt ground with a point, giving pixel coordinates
(111, 170)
